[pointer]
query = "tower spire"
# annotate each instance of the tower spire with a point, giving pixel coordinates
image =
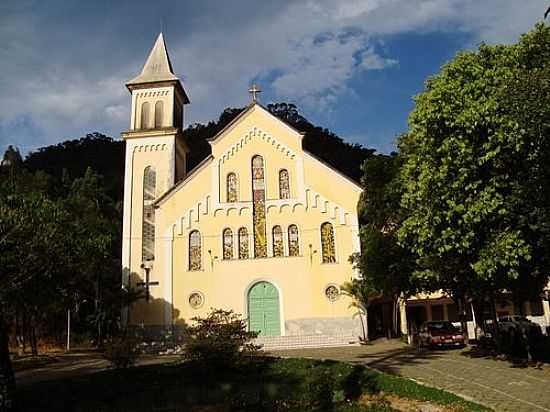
(158, 67)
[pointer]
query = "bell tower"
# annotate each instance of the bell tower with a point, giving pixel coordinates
(155, 160)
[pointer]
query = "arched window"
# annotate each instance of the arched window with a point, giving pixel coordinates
(148, 221)
(195, 254)
(158, 114)
(278, 247)
(258, 199)
(293, 241)
(284, 185)
(232, 188)
(243, 243)
(145, 115)
(227, 244)
(327, 243)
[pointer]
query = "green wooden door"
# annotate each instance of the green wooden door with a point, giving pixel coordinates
(263, 309)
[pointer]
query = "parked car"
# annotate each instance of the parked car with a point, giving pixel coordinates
(440, 333)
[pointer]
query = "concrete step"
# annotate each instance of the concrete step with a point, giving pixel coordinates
(305, 341)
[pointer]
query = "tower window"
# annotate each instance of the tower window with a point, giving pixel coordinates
(158, 114)
(148, 225)
(145, 109)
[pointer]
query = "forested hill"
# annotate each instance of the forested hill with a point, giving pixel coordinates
(106, 155)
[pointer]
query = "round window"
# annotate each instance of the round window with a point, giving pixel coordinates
(332, 293)
(196, 300)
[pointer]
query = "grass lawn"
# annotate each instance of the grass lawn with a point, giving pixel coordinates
(271, 384)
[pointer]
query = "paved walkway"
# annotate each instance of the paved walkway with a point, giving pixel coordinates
(74, 364)
(497, 384)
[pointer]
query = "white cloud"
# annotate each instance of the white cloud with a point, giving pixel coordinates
(308, 51)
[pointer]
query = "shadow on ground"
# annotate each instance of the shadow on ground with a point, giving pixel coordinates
(266, 384)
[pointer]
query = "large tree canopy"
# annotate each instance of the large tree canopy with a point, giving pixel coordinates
(475, 165)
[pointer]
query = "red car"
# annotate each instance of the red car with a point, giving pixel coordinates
(440, 333)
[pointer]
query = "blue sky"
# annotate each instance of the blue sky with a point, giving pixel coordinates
(351, 66)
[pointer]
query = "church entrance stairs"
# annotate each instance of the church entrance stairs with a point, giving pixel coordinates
(305, 341)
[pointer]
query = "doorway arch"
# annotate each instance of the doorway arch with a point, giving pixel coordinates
(264, 309)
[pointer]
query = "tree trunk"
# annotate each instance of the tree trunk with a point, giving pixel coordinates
(461, 302)
(363, 315)
(478, 310)
(7, 378)
(496, 331)
(34, 345)
(396, 323)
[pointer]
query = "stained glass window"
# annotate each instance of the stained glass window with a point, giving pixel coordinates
(284, 185)
(145, 109)
(228, 244)
(243, 243)
(148, 222)
(278, 247)
(195, 255)
(196, 300)
(258, 197)
(293, 241)
(327, 243)
(332, 293)
(232, 188)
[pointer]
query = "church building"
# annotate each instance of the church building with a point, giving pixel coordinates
(260, 226)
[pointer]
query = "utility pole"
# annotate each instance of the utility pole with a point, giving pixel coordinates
(68, 330)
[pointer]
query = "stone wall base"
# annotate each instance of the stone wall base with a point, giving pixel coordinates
(344, 326)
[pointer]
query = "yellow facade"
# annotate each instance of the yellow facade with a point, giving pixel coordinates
(199, 202)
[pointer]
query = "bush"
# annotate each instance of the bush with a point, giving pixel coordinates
(121, 352)
(321, 390)
(220, 340)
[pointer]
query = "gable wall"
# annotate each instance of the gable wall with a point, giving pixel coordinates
(317, 195)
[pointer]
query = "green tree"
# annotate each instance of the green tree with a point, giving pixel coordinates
(60, 242)
(466, 159)
(385, 266)
(32, 243)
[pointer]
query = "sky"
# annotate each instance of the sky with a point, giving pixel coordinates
(350, 66)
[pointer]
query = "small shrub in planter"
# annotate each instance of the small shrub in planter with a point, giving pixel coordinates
(220, 340)
(121, 352)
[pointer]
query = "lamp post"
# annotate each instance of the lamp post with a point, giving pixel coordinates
(68, 330)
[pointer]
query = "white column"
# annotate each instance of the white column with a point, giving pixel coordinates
(403, 315)
(356, 240)
(301, 189)
(168, 276)
(546, 309)
(127, 223)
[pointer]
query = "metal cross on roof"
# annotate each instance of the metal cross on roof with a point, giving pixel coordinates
(253, 91)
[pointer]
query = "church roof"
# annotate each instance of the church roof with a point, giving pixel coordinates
(246, 110)
(158, 67)
(183, 181)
